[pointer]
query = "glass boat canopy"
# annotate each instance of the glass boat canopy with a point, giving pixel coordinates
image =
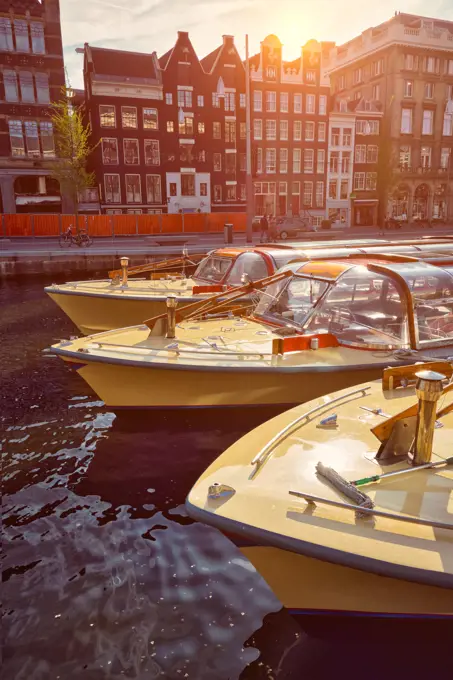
(375, 305)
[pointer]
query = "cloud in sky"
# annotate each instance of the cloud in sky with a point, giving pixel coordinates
(148, 25)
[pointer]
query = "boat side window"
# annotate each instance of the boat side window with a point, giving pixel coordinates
(213, 268)
(251, 264)
(292, 300)
(363, 308)
(433, 306)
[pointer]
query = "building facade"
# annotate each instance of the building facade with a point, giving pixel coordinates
(404, 66)
(32, 75)
(290, 106)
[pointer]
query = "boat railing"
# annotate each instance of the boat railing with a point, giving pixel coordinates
(175, 348)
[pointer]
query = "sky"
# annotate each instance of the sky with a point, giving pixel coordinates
(152, 25)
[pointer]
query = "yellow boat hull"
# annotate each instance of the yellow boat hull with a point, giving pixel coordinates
(125, 385)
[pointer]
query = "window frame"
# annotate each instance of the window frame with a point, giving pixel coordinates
(133, 174)
(103, 150)
(149, 108)
(137, 146)
(104, 106)
(129, 127)
(159, 183)
(112, 174)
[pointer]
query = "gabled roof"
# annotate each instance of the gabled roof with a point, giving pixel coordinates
(210, 59)
(296, 64)
(163, 60)
(111, 62)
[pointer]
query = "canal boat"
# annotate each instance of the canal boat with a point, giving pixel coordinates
(318, 326)
(344, 505)
(121, 300)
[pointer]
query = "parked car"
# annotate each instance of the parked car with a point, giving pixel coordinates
(291, 226)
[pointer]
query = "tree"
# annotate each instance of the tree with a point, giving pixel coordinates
(73, 148)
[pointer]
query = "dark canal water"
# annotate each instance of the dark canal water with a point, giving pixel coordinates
(104, 575)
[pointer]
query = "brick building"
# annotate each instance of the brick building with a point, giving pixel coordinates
(404, 66)
(167, 141)
(290, 106)
(32, 75)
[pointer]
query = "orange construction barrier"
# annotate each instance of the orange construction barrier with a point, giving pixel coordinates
(172, 224)
(17, 225)
(148, 224)
(46, 225)
(99, 225)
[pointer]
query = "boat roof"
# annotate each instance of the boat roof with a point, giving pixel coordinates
(333, 269)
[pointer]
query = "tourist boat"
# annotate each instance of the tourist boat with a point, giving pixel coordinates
(318, 326)
(106, 304)
(344, 505)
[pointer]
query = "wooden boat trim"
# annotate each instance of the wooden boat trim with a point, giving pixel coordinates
(266, 451)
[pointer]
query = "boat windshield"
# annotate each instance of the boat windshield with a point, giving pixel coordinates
(363, 308)
(251, 264)
(291, 299)
(213, 268)
(433, 306)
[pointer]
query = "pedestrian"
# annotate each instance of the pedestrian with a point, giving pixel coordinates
(264, 228)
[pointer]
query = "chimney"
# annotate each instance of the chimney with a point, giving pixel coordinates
(228, 39)
(183, 34)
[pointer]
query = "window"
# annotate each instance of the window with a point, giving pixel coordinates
(242, 130)
(215, 100)
(295, 189)
(231, 192)
(359, 181)
(185, 99)
(409, 62)
(230, 131)
(449, 92)
(152, 153)
(133, 189)
(202, 156)
(153, 189)
(310, 103)
(129, 117)
(170, 126)
(283, 161)
(271, 101)
(203, 188)
(406, 121)
(243, 193)
(357, 76)
(333, 189)
(344, 185)
(342, 82)
(322, 104)
(321, 132)
(284, 102)
(309, 160)
(371, 181)
(445, 157)
(37, 37)
(345, 163)
(112, 189)
(230, 101)
(271, 129)
(188, 184)
(42, 88)
(282, 188)
(429, 90)
(408, 88)
(109, 151)
(107, 116)
(32, 137)
(372, 154)
(201, 128)
(297, 103)
(309, 131)
(427, 125)
(431, 64)
(335, 137)
(319, 194)
(230, 163)
(320, 161)
(271, 72)
(334, 164)
(308, 194)
(10, 83)
(6, 35)
(449, 66)
(376, 92)
(447, 128)
(297, 130)
(168, 98)
(27, 91)
(297, 156)
(47, 139)
(405, 156)
(130, 149)
(136, 211)
(186, 128)
(377, 67)
(21, 33)
(217, 130)
(217, 159)
(425, 156)
(173, 189)
(217, 193)
(284, 130)
(242, 101)
(257, 128)
(257, 100)
(259, 161)
(347, 136)
(150, 121)
(373, 127)
(200, 100)
(242, 162)
(360, 153)
(16, 138)
(271, 160)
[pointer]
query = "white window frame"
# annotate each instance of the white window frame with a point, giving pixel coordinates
(129, 127)
(297, 130)
(21, 31)
(107, 106)
(38, 45)
(309, 125)
(112, 174)
(322, 128)
(200, 100)
(360, 153)
(185, 98)
(257, 100)
(427, 122)
(406, 125)
(322, 104)
(157, 157)
(320, 161)
(271, 101)
(27, 87)
(372, 151)
(42, 88)
(133, 174)
(308, 193)
(297, 161)
(46, 131)
(284, 130)
(297, 103)
(371, 181)
(271, 129)
(359, 181)
(283, 161)
(408, 89)
(10, 84)
(217, 162)
(6, 35)
(257, 128)
(169, 98)
(158, 192)
(310, 103)
(284, 102)
(271, 161)
(16, 127)
(447, 126)
(130, 139)
(104, 148)
(309, 166)
(319, 194)
(150, 108)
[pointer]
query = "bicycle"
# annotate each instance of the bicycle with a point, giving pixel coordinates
(81, 238)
